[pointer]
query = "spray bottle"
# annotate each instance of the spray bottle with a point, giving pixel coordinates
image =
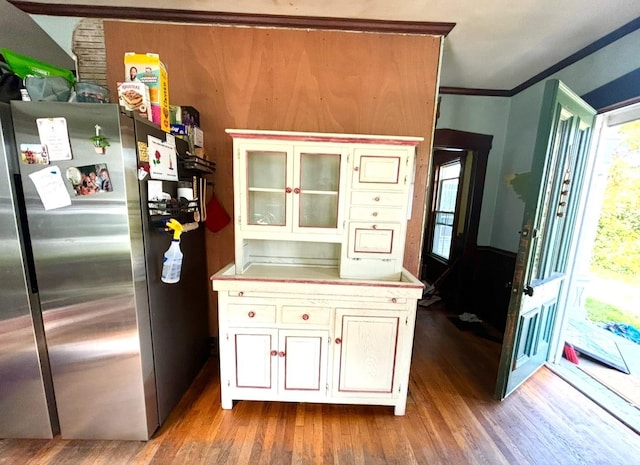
(172, 262)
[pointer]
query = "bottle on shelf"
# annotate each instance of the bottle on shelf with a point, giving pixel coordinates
(172, 260)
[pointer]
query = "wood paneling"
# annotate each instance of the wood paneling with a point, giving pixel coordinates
(491, 285)
(451, 419)
(296, 80)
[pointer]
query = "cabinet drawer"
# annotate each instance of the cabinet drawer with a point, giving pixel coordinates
(379, 168)
(237, 313)
(375, 214)
(305, 315)
(374, 240)
(387, 199)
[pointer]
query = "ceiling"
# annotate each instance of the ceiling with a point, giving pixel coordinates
(494, 45)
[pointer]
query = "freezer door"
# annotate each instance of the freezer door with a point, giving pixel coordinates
(179, 324)
(89, 263)
(24, 400)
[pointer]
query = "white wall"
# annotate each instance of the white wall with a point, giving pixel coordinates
(60, 28)
(483, 115)
(20, 33)
(515, 122)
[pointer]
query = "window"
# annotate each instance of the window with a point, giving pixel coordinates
(444, 206)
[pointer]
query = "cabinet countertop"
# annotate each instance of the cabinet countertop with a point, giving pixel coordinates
(288, 278)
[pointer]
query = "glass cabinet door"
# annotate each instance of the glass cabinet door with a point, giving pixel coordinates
(316, 195)
(266, 187)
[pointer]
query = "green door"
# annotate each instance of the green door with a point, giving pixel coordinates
(555, 181)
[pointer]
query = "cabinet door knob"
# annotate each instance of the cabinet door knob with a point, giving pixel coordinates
(296, 190)
(252, 314)
(281, 354)
(305, 317)
(338, 340)
(356, 168)
(240, 294)
(288, 190)
(274, 353)
(394, 300)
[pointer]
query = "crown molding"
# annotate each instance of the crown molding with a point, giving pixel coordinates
(478, 92)
(236, 19)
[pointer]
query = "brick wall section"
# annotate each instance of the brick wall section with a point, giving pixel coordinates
(88, 46)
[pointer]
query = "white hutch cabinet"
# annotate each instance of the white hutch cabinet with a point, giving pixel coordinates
(316, 306)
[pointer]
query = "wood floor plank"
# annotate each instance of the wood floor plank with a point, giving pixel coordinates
(450, 419)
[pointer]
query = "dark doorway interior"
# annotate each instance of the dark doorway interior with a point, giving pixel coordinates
(455, 197)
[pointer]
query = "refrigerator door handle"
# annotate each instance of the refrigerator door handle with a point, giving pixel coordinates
(24, 229)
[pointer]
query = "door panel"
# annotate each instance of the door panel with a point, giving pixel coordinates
(535, 326)
(263, 187)
(255, 363)
(555, 180)
(367, 353)
(373, 169)
(304, 360)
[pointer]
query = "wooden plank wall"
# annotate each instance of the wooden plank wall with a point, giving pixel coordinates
(291, 79)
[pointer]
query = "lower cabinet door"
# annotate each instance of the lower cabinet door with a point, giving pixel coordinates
(302, 362)
(284, 364)
(255, 354)
(365, 353)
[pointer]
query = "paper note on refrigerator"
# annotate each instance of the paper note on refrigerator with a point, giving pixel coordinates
(54, 134)
(163, 162)
(51, 188)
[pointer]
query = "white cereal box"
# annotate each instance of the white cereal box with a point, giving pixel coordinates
(148, 69)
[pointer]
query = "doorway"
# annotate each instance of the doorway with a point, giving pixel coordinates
(455, 198)
(596, 359)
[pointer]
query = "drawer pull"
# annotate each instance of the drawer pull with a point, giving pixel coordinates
(305, 317)
(394, 300)
(377, 199)
(374, 226)
(274, 353)
(281, 354)
(374, 214)
(251, 314)
(240, 294)
(338, 340)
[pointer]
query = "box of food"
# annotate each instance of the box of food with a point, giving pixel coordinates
(196, 136)
(149, 70)
(179, 129)
(182, 114)
(134, 96)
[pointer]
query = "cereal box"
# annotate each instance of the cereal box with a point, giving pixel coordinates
(148, 69)
(134, 96)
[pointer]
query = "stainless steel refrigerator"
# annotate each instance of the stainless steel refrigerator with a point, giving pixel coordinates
(92, 342)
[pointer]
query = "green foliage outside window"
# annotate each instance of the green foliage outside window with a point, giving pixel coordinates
(616, 253)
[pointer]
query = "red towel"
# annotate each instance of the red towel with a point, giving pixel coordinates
(217, 217)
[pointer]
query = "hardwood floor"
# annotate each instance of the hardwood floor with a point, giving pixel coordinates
(451, 419)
